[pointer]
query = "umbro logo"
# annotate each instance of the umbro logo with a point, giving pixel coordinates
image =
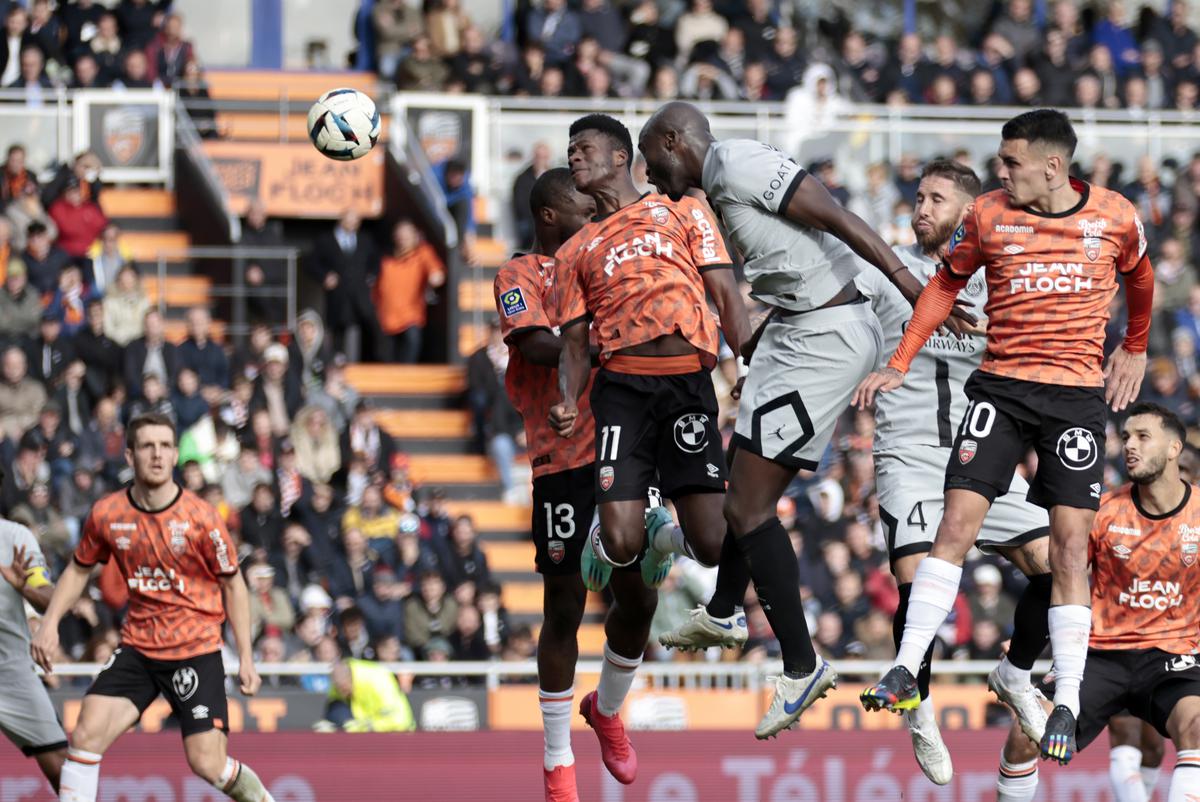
(122, 543)
(199, 712)
(1013, 250)
(1096, 488)
(1121, 552)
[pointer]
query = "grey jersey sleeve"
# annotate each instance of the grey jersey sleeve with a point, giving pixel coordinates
(746, 171)
(888, 305)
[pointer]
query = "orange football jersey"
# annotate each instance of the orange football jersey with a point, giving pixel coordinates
(1145, 580)
(1050, 280)
(527, 292)
(637, 274)
(172, 562)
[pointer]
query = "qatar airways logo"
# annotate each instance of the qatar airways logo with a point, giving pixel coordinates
(1151, 594)
(643, 246)
(1056, 277)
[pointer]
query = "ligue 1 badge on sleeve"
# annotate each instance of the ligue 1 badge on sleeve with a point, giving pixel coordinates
(512, 301)
(959, 234)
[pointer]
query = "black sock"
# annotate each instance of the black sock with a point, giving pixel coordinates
(1031, 627)
(732, 578)
(776, 574)
(926, 671)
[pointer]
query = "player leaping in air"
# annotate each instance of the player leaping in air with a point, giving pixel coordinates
(1145, 597)
(821, 338)
(639, 273)
(181, 567)
(913, 434)
(527, 291)
(1051, 246)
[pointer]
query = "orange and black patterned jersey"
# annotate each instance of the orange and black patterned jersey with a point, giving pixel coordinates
(527, 290)
(172, 561)
(1145, 577)
(637, 274)
(1050, 280)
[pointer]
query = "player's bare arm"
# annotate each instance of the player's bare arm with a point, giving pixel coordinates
(237, 609)
(574, 365)
(28, 579)
(67, 591)
(731, 309)
(1126, 366)
(539, 347)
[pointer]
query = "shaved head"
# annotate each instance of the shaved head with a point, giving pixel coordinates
(674, 143)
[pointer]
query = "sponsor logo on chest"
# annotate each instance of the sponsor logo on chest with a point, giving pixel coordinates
(1092, 231)
(1189, 544)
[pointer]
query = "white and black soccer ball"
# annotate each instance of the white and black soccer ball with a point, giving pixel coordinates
(344, 124)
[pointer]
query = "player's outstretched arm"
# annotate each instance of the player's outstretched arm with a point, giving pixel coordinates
(237, 610)
(574, 366)
(68, 590)
(731, 308)
(883, 380)
(1126, 365)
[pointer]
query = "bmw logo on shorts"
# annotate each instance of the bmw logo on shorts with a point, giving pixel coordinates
(184, 681)
(1077, 449)
(691, 432)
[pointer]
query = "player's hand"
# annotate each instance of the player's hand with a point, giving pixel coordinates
(248, 678)
(1123, 378)
(883, 380)
(736, 392)
(961, 322)
(44, 646)
(15, 574)
(562, 418)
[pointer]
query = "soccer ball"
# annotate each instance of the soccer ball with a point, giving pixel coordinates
(344, 124)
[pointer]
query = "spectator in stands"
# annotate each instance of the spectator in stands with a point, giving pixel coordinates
(125, 307)
(1177, 38)
(15, 176)
(21, 397)
(1150, 197)
(318, 456)
(1114, 33)
(250, 357)
(446, 22)
(498, 427)
(1156, 75)
(1100, 64)
(396, 25)
(80, 221)
(377, 521)
(295, 563)
(876, 203)
(1067, 20)
(1027, 88)
(556, 27)
(85, 169)
(70, 300)
(461, 559)
(460, 201)
(43, 259)
(522, 187)
(406, 277)
(78, 496)
(33, 78)
(16, 38)
(699, 23)
(80, 19)
(150, 353)
(153, 398)
(989, 602)
(346, 263)
(20, 306)
(383, 606)
(258, 231)
(57, 442)
(201, 354)
(364, 440)
(1186, 93)
(911, 72)
(25, 210)
(169, 52)
(1174, 276)
(350, 576)
(366, 697)
(72, 398)
(50, 352)
(104, 442)
(290, 482)
(648, 39)
(309, 352)
(335, 396)
(551, 82)
(1054, 69)
(45, 31)
(525, 77)
(189, 404)
(474, 66)
(785, 62)
(107, 256)
(758, 28)
(245, 475)
(277, 391)
(106, 47)
(422, 71)
(7, 253)
(467, 641)
(1088, 92)
(192, 88)
(135, 73)
(138, 20)
(1018, 28)
(321, 516)
(271, 608)
(811, 108)
(46, 523)
(262, 525)
(429, 612)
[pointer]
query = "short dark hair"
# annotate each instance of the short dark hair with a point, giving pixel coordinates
(1042, 125)
(144, 420)
(611, 127)
(963, 177)
(1170, 421)
(551, 187)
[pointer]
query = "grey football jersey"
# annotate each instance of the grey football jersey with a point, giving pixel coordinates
(14, 628)
(929, 405)
(788, 265)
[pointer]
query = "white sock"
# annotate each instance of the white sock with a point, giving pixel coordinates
(1150, 779)
(934, 589)
(1012, 676)
(1124, 774)
(1070, 626)
(616, 677)
(239, 782)
(1017, 782)
(556, 726)
(80, 777)
(923, 716)
(671, 539)
(1185, 779)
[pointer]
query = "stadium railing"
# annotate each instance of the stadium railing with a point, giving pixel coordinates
(752, 676)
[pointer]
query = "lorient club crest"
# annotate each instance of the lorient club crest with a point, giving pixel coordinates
(659, 215)
(607, 475)
(966, 451)
(1092, 231)
(557, 551)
